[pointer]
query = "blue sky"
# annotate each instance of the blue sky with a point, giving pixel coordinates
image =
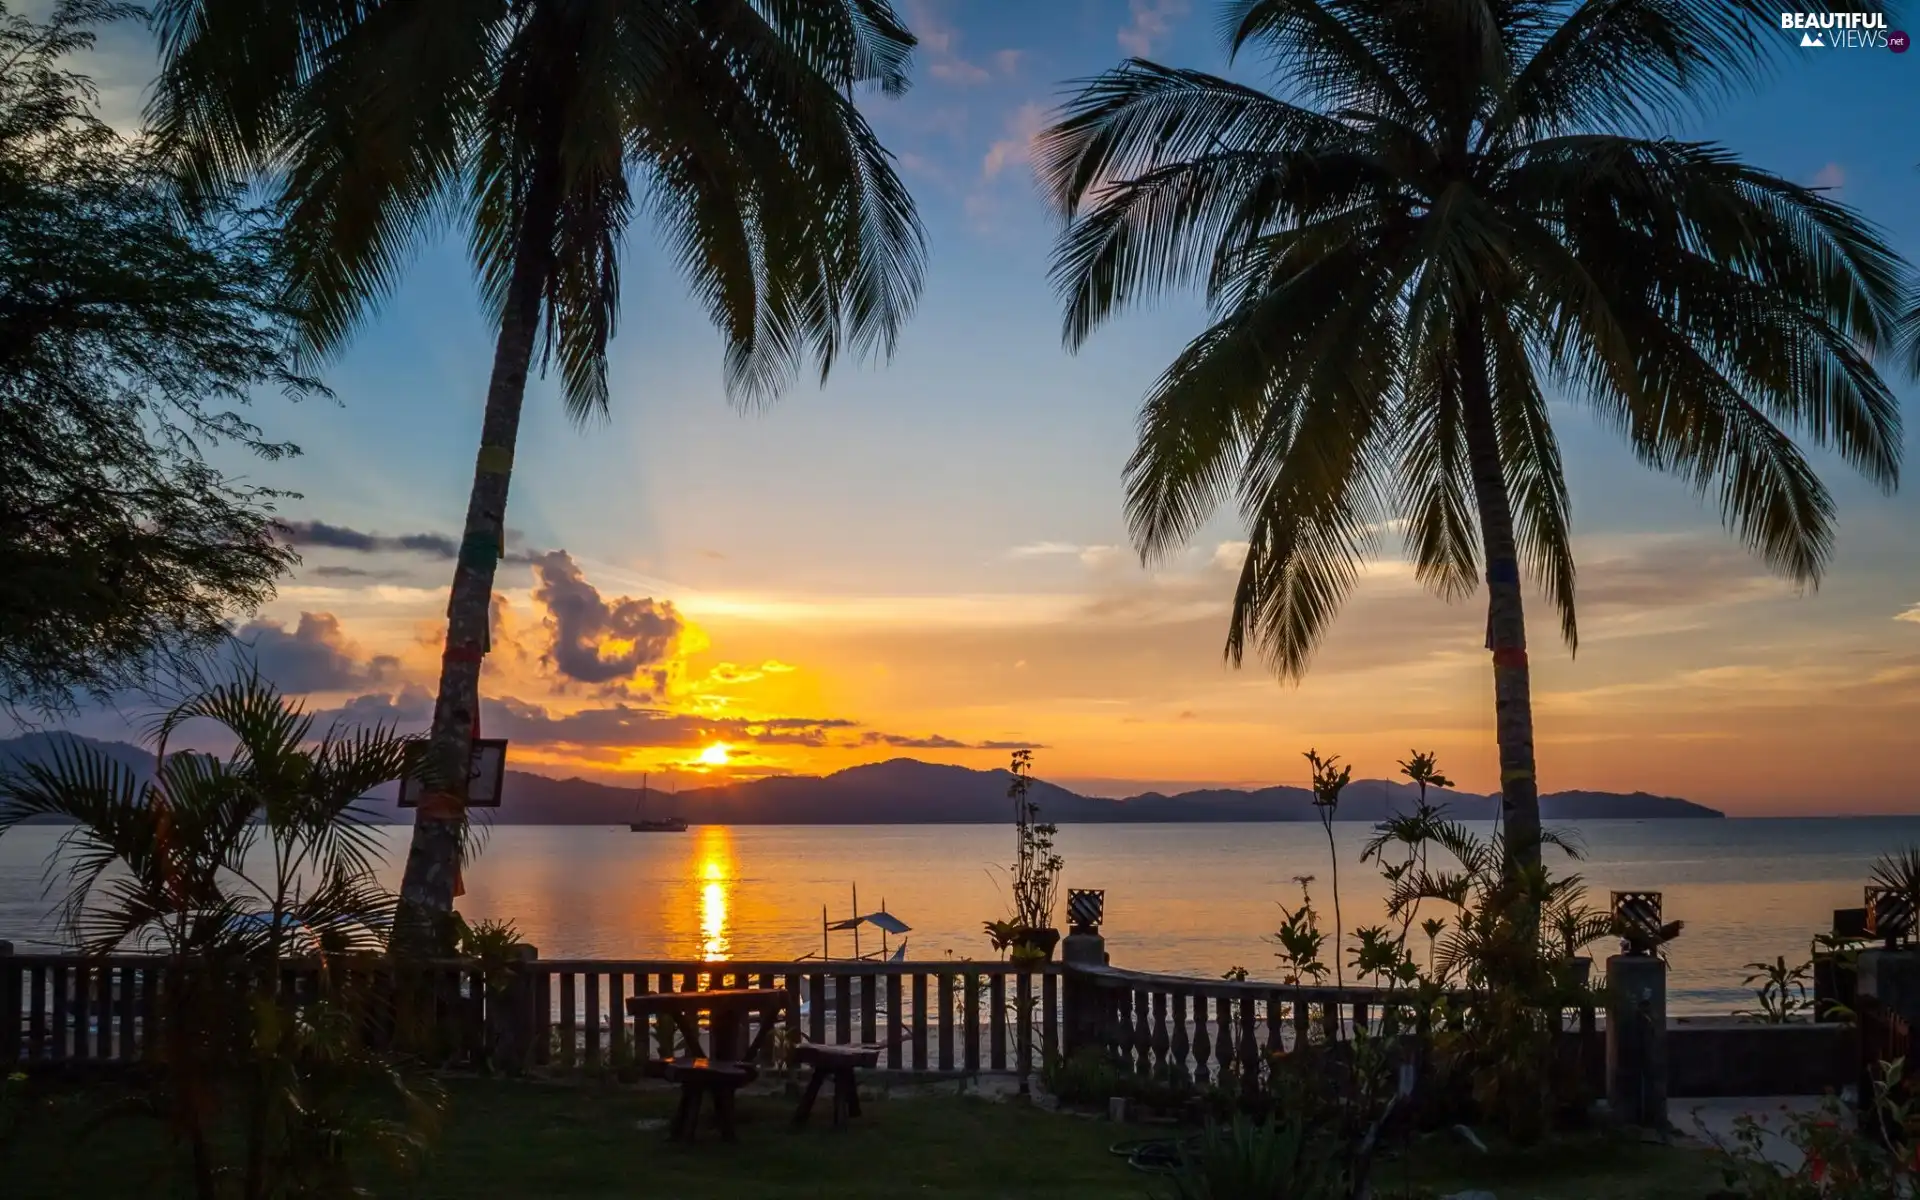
(936, 545)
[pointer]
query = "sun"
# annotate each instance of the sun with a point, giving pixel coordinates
(714, 755)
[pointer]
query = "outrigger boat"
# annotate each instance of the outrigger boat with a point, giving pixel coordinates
(889, 926)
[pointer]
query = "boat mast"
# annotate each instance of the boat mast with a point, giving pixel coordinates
(856, 922)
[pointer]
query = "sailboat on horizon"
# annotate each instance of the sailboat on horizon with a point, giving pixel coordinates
(642, 823)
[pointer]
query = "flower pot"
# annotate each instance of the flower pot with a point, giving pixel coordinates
(1037, 943)
(1583, 970)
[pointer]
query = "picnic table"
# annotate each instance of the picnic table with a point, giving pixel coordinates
(727, 1011)
(730, 1065)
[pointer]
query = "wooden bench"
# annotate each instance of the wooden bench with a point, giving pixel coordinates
(699, 1078)
(838, 1063)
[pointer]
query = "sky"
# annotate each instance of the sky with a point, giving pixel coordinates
(928, 557)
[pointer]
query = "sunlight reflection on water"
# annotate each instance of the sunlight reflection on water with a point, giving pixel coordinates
(716, 870)
(1194, 899)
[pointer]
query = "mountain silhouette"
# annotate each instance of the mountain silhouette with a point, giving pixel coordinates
(905, 791)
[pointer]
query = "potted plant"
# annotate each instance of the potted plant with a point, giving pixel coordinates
(1571, 925)
(1029, 935)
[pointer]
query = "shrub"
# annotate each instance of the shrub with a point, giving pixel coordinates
(1872, 1159)
(1272, 1160)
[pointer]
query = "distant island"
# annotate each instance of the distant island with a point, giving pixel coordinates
(905, 791)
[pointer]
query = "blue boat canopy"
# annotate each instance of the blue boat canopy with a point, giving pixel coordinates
(879, 920)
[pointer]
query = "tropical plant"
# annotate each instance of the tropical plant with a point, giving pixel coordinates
(1036, 865)
(1569, 924)
(544, 126)
(1433, 927)
(1328, 780)
(1869, 1155)
(129, 341)
(1380, 956)
(1411, 831)
(1243, 1160)
(1897, 873)
(1085, 1077)
(1782, 994)
(1497, 976)
(1454, 210)
(230, 867)
(1300, 939)
(13, 1102)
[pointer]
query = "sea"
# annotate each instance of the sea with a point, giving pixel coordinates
(1194, 899)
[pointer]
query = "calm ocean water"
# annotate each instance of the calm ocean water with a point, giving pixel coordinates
(1193, 899)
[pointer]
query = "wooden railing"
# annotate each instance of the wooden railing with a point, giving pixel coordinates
(950, 1017)
(1206, 1030)
(71, 1009)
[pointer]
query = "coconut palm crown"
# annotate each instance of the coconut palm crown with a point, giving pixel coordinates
(1456, 211)
(543, 128)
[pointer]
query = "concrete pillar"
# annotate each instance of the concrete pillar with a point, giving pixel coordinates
(1892, 979)
(1080, 997)
(1637, 1039)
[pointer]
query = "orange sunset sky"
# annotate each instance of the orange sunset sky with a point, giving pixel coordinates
(928, 557)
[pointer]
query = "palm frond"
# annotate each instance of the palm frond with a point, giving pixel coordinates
(1162, 174)
(1335, 51)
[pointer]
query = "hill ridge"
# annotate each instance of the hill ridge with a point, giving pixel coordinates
(901, 791)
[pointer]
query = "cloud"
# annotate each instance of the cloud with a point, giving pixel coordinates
(613, 725)
(1092, 555)
(1230, 556)
(1912, 614)
(940, 44)
(632, 726)
(313, 656)
(774, 666)
(594, 641)
(930, 742)
(1149, 22)
(1023, 126)
(342, 573)
(411, 708)
(1832, 177)
(340, 537)
(636, 725)
(934, 741)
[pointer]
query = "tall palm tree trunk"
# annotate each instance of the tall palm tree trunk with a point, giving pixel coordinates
(1506, 618)
(431, 881)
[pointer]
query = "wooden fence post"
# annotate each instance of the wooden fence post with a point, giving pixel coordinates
(512, 1013)
(10, 995)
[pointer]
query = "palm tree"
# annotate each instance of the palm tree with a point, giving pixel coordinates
(229, 867)
(1460, 208)
(540, 127)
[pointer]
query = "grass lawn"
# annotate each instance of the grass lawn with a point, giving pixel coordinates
(529, 1139)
